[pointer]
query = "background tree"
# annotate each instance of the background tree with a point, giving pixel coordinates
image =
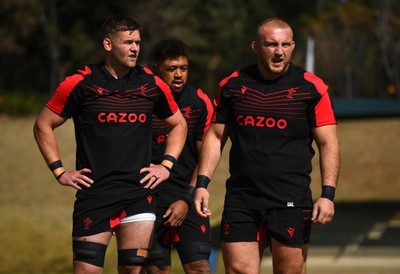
(357, 42)
(350, 36)
(388, 33)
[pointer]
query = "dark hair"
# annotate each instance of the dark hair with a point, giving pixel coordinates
(119, 23)
(169, 48)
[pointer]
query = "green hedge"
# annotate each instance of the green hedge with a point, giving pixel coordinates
(21, 103)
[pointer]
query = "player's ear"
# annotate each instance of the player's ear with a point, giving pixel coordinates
(107, 44)
(254, 46)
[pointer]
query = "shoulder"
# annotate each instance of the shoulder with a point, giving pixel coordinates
(148, 76)
(317, 82)
(196, 95)
(299, 75)
(248, 73)
(71, 81)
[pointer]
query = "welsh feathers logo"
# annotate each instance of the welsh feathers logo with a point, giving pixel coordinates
(226, 228)
(87, 222)
(291, 93)
(187, 111)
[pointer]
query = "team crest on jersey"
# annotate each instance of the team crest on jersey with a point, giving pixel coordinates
(291, 93)
(143, 89)
(187, 112)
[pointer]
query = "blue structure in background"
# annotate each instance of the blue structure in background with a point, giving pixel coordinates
(213, 260)
(366, 108)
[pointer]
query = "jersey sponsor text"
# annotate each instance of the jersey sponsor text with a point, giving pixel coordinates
(121, 117)
(261, 121)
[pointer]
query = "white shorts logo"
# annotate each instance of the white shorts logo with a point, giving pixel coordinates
(290, 204)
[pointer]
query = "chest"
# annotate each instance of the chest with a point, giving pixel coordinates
(113, 102)
(270, 100)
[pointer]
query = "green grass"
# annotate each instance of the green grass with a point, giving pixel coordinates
(36, 211)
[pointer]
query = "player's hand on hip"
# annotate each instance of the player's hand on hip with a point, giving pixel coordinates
(200, 202)
(156, 174)
(76, 179)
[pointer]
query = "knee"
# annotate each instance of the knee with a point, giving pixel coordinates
(295, 269)
(202, 266)
(289, 266)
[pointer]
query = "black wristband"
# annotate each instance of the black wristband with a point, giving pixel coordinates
(57, 164)
(202, 181)
(189, 195)
(170, 158)
(60, 175)
(328, 192)
(167, 167)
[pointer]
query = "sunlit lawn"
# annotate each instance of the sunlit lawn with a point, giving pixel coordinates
(36, 211)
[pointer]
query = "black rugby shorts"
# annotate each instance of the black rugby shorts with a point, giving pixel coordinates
(194, 229)
(289, 226)
(95, 215)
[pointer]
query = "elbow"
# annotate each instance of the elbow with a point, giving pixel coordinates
(39, 128)
(36, 129)
(184, 126)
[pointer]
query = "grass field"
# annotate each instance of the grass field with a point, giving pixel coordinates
(36, 211)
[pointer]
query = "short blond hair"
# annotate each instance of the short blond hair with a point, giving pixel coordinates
(273, 22)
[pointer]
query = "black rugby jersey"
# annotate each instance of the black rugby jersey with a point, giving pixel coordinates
(270, 124)
(112, 119)
(197, 110)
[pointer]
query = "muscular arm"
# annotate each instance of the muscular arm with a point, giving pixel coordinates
(43, 130)
(328, 146)
(211, 149)
(192, 182)
(210, 155)
(177, 134)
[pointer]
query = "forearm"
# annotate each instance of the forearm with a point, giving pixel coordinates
(210, 154)
(43, 131)
(175, 141)
(192, 182)
(329, 153)
(329, 163)
(47, 142)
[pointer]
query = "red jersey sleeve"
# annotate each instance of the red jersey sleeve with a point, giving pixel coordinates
(323, 110)
(59, 99)
(166, 106)
(207, 112)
